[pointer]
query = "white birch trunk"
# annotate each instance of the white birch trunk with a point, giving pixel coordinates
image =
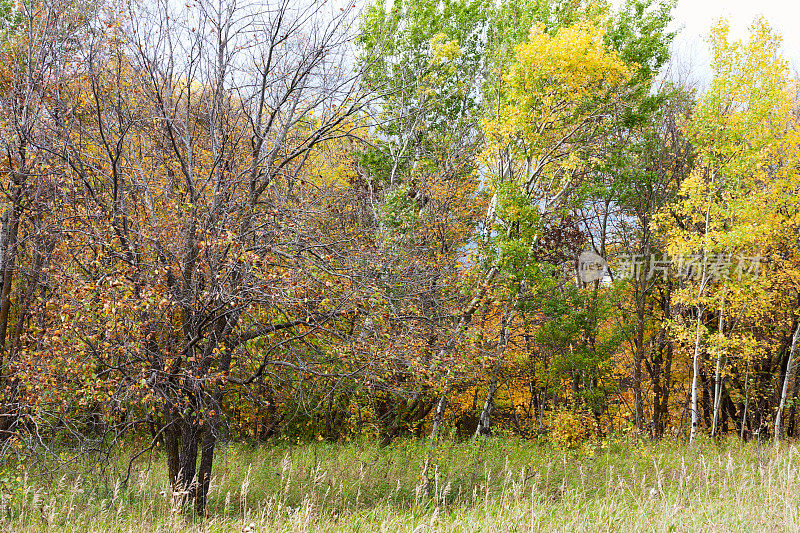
(786, 379)
(696, 360)
(695, 372)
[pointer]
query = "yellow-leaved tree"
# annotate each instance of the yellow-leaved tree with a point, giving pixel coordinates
(555, 103)
(732, 235)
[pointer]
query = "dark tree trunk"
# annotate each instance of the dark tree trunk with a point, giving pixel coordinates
(665, 385)
(656, 378)
(790, 429)
(729, 413)
(204, 475)
(638, 356)
(172, 446)
(398, 416)
(9, 243)
(187, 463)
(706, 400)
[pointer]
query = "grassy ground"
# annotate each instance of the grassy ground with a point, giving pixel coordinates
(495, 485)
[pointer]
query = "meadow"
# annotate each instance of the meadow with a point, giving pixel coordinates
(497, 484)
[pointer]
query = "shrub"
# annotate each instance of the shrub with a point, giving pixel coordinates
(571, 428)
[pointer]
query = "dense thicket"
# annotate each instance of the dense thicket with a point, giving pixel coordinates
(307, 222)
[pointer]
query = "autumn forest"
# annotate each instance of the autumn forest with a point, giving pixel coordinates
(423, 221)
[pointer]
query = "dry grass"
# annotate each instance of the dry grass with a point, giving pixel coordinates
(497, 485)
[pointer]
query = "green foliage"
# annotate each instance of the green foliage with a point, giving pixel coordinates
(378, 165)
(517, 229)
(424, 59)
(398, 211)
(638, 31)
(576, 332)
(9, 17)
(512, 21)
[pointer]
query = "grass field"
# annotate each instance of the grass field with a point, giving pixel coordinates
(495, 485)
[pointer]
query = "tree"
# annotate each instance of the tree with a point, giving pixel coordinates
(425, 60)
(554, 104)
(186, 137)
(36, 38)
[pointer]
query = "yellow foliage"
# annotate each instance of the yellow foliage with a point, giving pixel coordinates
(570, 429)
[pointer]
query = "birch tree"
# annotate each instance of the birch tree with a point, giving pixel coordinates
(744, 137)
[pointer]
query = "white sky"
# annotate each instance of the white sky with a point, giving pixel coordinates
(696, 17)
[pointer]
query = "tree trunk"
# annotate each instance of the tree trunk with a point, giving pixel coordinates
(695, 373)
(172, 446)
(485, 420)
(791, 426)
(786, 379)
(705, 386)
(206, 465)
(666, 383)
(187, 465)
(439, 416)
(718, 378)
(9, 243)
(696, 359)
(663, 371)
(638, 355)
(746, 402)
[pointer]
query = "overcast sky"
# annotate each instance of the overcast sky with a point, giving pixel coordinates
(696, 17)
